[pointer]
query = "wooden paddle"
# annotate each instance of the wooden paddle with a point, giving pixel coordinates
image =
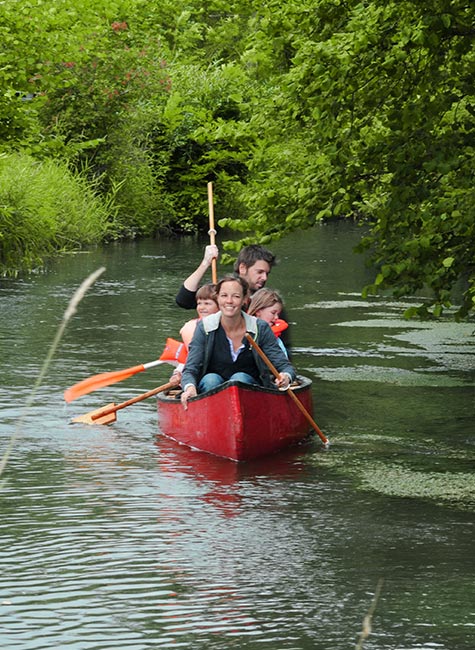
(107, 414)
(212, 232)
(275, 372)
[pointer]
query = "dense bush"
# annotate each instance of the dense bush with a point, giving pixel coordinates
(164, 152)
(44, 210)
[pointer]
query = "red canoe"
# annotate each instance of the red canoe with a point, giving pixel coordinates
(236, 420)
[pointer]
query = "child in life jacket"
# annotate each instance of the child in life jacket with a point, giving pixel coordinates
(206, 303)
(267, 305)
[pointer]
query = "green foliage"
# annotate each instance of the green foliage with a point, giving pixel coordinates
(105, 98)
(196, 134)
(101, 85)
(375, 119)
(297, 111)
(45, 210)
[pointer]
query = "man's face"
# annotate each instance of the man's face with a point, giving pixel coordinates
(256, 275)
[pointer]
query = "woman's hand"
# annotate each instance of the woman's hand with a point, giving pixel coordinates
(283, 382)
(175, 379)
(190, 391)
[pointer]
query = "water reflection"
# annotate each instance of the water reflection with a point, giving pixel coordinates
(219, 477)
(116, 537)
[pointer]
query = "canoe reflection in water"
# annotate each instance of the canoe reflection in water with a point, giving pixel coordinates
(225, 485)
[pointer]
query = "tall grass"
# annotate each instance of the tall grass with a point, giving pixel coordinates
(46, 209)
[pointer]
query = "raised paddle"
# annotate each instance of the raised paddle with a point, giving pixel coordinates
(107, 414)
(174, 352)
(212, 232)
(275, 372)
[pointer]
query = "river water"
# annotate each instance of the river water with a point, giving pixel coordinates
(115, 537)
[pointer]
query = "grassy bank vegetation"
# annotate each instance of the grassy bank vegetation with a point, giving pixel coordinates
(47, 209)
(297, 111)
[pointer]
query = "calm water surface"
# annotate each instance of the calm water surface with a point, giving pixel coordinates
(115, 537)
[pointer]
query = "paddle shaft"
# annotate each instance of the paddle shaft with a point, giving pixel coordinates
(212, 232)
(129, 402)
(275, 372)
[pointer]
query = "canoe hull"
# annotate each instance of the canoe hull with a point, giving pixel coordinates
(238, 421)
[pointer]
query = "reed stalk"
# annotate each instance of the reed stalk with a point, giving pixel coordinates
(68, 314)
(368, 619)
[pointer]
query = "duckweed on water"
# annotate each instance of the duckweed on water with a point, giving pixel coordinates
(373, 467)
(394, 480)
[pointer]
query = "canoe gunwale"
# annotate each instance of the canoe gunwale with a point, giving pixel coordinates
(304, 383)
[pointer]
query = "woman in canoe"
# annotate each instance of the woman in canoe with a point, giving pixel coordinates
(219, 351)
(254, 264)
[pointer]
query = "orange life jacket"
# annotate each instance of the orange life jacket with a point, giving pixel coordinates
(279, 326)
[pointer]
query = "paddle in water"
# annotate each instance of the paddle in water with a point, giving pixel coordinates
(107, 414)
(293, 396)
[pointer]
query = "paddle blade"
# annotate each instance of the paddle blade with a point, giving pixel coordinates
(107, 414)
(99, 381)
(175, 352)
(88, 418)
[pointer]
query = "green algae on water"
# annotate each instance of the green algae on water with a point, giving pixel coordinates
(384, 465)
(394, 480)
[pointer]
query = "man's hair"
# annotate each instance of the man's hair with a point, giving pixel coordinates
(253, 253)
(264, 298)
(207, 292)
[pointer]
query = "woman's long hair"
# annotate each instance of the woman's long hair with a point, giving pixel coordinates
(264, 298)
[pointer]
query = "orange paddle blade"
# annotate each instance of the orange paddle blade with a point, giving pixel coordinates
(99, 381)
(175, 352)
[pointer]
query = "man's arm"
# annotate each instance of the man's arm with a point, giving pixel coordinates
(192, 282)
(186, 296)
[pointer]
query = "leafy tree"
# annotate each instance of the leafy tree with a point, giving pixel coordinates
(375, 119)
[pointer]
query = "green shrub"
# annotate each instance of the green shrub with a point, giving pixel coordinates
(46, 209)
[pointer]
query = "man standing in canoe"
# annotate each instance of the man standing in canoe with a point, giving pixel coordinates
(219, 352)
(254, 264)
